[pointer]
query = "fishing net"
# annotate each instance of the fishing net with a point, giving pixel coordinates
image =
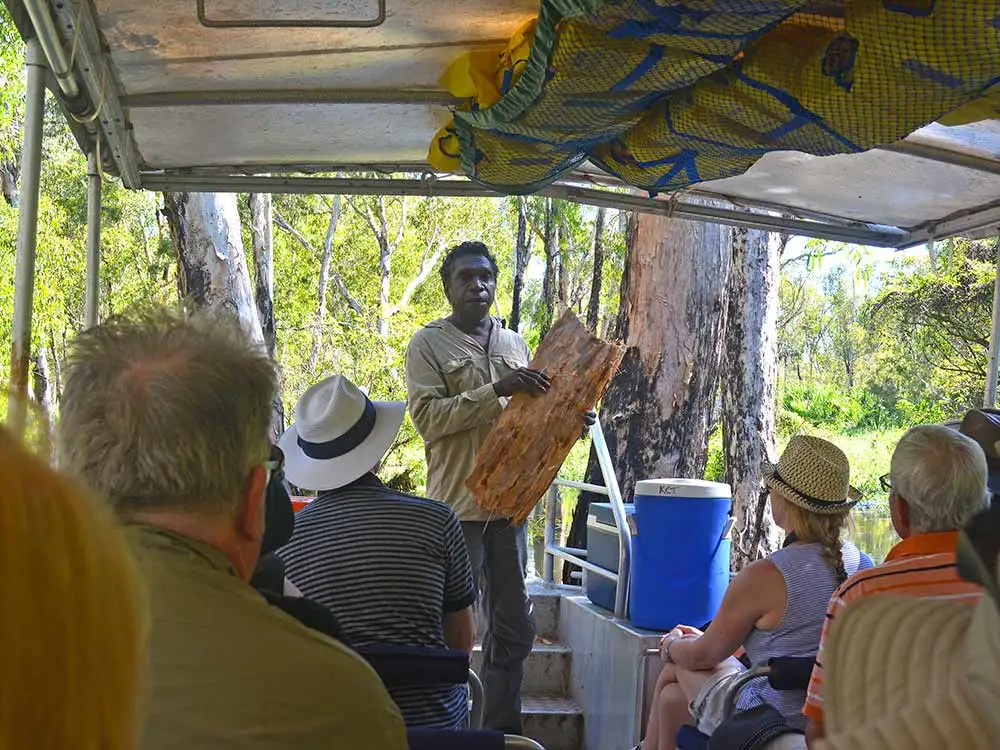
(665, 94)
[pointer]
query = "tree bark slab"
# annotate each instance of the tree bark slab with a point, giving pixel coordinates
(533, 436)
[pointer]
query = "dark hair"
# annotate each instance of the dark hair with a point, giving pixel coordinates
(471, 248)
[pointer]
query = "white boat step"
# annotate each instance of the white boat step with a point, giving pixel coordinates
(555, 723)
(546, 670)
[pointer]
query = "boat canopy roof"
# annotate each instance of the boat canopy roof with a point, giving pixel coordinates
(344, 96)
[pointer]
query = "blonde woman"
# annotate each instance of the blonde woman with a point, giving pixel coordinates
(72, 636)
(774, 607)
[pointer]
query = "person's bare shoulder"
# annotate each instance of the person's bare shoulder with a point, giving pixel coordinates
(757, 578)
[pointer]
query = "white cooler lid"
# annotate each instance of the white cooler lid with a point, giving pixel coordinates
(694, 488)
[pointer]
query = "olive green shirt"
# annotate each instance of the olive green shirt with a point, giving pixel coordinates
(449, 381)
(231, 672)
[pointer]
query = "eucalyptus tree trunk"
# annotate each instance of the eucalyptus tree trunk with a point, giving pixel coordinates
(326, 261)
(657, 412)
(749, 383)
(597, 279)
(42, 391)
(212, 267)
(658, 409)
(522, 254)
(550, 240)
(262, 242)
(8, 180)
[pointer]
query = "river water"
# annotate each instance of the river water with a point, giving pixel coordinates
(874, 534)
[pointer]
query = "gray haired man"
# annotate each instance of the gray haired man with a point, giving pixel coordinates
(167, 417)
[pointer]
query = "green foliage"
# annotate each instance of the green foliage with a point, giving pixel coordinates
(715, 468)
(932, 320)
(11, 87)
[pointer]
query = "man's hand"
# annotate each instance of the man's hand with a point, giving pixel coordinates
(523, 380)
(589, 420)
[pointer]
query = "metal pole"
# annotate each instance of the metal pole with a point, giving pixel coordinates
(621, 521)
(51, 47)
(27, 236)
(990, 394)
(93, 293)
(550, 533)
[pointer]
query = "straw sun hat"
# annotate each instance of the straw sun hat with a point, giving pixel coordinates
(814, 474)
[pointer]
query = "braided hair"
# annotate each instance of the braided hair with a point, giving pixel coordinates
(826, 530)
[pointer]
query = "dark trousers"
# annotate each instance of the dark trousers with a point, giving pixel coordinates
(499, 555)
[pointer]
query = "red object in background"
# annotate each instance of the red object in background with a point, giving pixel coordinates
(298, 503)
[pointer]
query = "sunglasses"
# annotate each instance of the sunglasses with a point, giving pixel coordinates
(886, 482)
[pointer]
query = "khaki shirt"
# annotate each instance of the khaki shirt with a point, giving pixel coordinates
(231, 672)
(449, 381)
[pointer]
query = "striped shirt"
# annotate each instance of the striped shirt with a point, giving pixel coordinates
(809, 581)
(390, 566)
(922, 565)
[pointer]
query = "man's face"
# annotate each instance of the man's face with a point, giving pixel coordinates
(472, 287)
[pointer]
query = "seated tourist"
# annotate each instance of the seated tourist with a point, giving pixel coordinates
(936, 483)
(72, 625)
(774, 607)
(166, 417)
(912, 673)
(279, 522)
(983, 426)
(393, 567)
(269, 575)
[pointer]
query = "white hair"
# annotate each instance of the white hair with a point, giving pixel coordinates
(941, 474)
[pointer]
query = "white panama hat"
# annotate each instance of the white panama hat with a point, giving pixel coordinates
(339, 434)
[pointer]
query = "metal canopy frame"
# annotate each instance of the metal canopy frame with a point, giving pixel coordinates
(68, 55)
(97, 103)
(434, 185)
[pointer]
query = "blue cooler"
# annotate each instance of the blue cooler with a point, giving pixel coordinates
(680, 553)
(602, 549)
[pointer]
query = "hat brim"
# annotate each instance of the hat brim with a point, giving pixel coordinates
(854, 496)
(329, 474)
(863, 659)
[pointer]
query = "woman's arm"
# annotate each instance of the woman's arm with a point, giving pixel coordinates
(758, 590)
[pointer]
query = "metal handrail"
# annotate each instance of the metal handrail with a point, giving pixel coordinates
(517, 742)
(614, 494)
(476, 695)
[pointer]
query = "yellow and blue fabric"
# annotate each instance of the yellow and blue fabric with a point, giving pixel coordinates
(668, 93)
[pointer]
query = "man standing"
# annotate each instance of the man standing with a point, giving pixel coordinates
(167, 418)
(460, 371)
(936, 484)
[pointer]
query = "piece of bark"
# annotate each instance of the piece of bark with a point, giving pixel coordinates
(532, 437)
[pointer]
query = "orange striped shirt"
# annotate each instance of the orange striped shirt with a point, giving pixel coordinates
(922, 565)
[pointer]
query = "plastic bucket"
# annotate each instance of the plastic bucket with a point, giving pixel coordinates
(680, 553)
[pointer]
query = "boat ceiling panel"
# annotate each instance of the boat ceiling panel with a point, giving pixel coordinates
(161, 46)
(878, 187)
(981, 139)
(167, 62)
(233, 135)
